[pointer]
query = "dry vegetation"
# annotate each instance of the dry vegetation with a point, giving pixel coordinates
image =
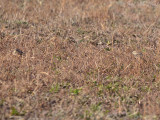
(73, 59)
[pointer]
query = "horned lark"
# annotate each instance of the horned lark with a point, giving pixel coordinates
(137, 54)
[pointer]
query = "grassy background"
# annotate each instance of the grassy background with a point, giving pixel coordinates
(78, 60)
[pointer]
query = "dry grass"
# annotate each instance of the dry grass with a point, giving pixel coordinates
(73, 59)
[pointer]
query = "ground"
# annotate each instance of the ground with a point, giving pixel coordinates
(80, 59)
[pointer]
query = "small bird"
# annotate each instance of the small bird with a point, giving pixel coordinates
(17, 51)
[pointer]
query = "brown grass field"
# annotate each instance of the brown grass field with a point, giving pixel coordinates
(79, 59)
